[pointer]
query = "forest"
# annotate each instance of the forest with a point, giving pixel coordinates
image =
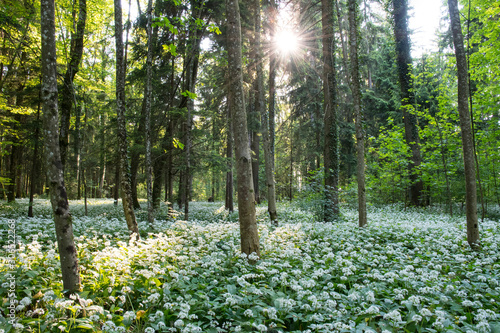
(248, 166)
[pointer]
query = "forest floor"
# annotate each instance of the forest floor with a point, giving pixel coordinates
(407, 271)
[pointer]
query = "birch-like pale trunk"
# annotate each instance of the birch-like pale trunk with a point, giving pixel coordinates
(58, 196)
(356, 94)
(126, 188)
(465, 126)
(246, 202)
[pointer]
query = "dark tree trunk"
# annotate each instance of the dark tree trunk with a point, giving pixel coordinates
(356, 94)
(35, 167)
(261, 108)
(246, 201)
(331, 154)
(404, 62)
(229, 173)
(68, 91)
(465, 126)
(11, 187)
(147, 97)
(128, 208)
(157, 180)
(58, 197)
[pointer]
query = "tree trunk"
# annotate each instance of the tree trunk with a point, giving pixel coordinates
(331, 118)
(465, 126)
(261, 108)
(157, 180)
(404, 62)
(246, 201)
(11, 187)
(229, 154)
(356, 94)
(58, 197)
(273, 67)
(68, 92)
(35, 167)
(147, 97)
(128, 208)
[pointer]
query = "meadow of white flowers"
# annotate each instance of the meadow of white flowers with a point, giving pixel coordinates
(408, 271)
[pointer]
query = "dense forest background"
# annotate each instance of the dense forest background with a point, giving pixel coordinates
(190, 136)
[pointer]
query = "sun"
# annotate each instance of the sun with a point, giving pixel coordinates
(286, 42)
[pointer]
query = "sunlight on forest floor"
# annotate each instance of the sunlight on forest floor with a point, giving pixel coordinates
(407, 271)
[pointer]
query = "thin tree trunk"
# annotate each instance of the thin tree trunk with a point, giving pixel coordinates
(331, 153)
(58, 197)
(356, 94)
(148, 96)
(273, 67)
(35, 168)
(77, 152)
(404, 62)
(465, 126)
(229, 174)
(246, 201)
(261, 108)
(128, 208)
(68, 91)
(11, 187)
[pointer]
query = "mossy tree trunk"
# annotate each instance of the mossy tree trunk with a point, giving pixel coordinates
(58, 196)
(126, 188)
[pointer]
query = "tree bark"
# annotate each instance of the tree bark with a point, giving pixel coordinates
(261, 108)
(356, 94)
(35, 167)
(229, 154)
(246, 201)
(68, 91)
(147, 96)
(331, 153)
(58, 197)
(404, 63)
(465, 126)
(273, 66)
(128, 208)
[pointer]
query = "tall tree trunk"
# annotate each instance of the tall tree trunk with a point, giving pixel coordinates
(246, 201)
(404, 62)
(128, 208)
(77, 152)
(35, 167)
(273, 67)
(331, 118)
(68, 91)
(148, 96)
(58, 197)
(356, 94)
(465, 126)
(261, 108)
(229, 154)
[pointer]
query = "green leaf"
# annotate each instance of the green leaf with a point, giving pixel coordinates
(86, 326)
(170, 48)
(188, 94)
(177, 143)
